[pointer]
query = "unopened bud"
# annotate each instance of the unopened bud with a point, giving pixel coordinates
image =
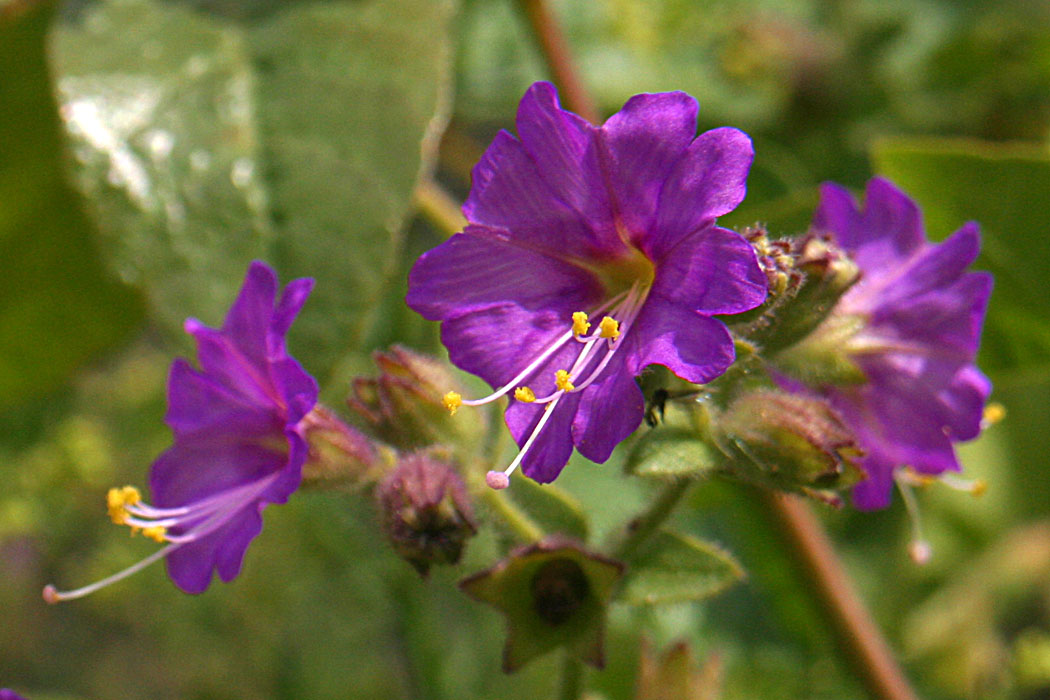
(426, 511)
(340, 457)
(410, 404)
(790, 441)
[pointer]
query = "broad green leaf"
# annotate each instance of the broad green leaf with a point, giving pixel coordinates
(1006, 190)
(672, 452)
(553, 509)
(674, 568)
(58, 307)
(208, 134)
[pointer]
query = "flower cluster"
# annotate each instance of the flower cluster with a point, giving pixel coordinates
(591, 253)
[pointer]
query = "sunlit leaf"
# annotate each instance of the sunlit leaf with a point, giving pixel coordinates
(208, 134)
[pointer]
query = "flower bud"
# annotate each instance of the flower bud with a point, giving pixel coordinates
(404, 404)
(807, 276)
(790, 441)
(553, 593)
(426, 512)
(340, 456)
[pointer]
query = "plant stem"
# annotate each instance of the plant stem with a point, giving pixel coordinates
(520, 524)
(556, 52)
(866, 649)
(571, 677)
(643, 526)
(438, 207)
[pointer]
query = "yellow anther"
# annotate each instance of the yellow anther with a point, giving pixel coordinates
(980, 486)
(452, 401)
(580, 324)
(561, 380)
(525, 394)
(993, 413)
(117, 501)
(610, 327)
(155, 533)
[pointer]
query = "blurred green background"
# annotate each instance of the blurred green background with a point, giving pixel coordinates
(149, 149)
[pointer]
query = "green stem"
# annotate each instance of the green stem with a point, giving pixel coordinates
(520, 524)
(571, 677)
(643, 526)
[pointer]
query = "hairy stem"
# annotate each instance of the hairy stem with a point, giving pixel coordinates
(571, 677)
(865, 647)
(520, 524)
(559, 60)
(643, 526)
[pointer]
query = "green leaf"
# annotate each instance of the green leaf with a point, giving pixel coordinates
(1005, 189)
(672, 452)
(208, 134)
(675, 568)
(552, 508)
(58, 307)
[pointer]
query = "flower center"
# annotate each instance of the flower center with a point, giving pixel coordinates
(598, 344)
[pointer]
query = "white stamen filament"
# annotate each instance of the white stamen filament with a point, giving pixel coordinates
(919, 549)
(206, 516)
(535, 364)
(633, 302)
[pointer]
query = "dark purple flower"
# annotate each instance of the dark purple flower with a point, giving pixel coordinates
(919, 315)
(6, 694)
(238, 440)
(591, 253)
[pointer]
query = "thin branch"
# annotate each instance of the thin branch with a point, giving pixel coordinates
(559, 60)
(438, 207)
(866, 648)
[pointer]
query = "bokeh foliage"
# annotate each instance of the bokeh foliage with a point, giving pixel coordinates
(150, 148)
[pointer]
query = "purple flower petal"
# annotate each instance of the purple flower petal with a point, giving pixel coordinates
(713, 271)
(509, 192)
(237, 441)
(553, 446)
(643, 142)
(478, 269)
(609, 411)
(708, 181)
(693, 346)
(924, 313)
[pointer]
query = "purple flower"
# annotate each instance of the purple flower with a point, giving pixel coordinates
(239, 442)
(920, 317)
(6, 694)
(591, 253)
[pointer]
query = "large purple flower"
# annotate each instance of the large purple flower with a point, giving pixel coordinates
(920, 314)
(572, 223)
(239, 442)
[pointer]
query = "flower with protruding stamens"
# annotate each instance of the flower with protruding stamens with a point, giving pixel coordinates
(239, 445)
(911, 326)
(591, 253)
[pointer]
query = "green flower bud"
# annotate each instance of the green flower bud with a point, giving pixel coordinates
(790, 442)
(404, 404)
(341, 457)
